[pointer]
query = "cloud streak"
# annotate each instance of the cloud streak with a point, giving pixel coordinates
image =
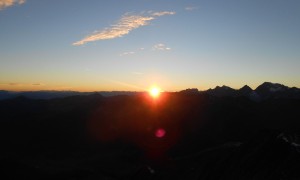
(7, 3)
(127, 53)
(163, 13)
(37, 84)
(137, 73)
(128, 85)
(161, 47)
(191, 8)
(22, 84)
(123, 27)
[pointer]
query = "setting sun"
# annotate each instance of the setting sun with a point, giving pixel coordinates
(154, 92)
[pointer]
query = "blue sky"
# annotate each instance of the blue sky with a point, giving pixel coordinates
(135, 44)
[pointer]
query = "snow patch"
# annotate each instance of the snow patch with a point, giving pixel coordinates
(275, 89)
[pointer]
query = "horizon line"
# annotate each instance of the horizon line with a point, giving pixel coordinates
(95, 91)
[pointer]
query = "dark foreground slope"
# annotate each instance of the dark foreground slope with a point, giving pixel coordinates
(176, 136)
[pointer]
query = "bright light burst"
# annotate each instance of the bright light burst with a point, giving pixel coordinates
(154, 92)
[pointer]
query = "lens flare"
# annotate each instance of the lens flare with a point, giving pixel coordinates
(160, 133)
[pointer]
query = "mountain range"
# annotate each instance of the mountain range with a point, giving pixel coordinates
(57, 94)
(216, 134)
(267, 90)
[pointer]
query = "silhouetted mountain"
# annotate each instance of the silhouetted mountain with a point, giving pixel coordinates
(222, 91)
(268, 87)
(190, 91)
(244, 91)
(58, 94)
(271, 90)
(274, 90)
(176, 136)
(117, 93)
(40, 94)
(265, 91)
(6, 94)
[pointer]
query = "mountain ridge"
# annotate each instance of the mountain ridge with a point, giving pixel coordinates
(264, 91)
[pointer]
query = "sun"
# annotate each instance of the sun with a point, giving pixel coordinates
(154, 92)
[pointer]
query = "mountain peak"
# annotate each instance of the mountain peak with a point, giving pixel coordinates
(190, 91)
(223, 87)
(246, 88)
(222, 91)
(271, 87)
(272, 90)
(244, 91)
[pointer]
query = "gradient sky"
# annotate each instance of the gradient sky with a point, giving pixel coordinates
(95, 45)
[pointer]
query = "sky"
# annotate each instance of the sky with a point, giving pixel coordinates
(132, 45)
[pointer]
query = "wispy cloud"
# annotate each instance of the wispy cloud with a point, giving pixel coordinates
(37, 84)
(22, 84)
(8, 3)
(126, 24)
(128, 85)
(127, 53)
(63, 88)
(161, 47)
(191, 8)
(137, 73)
(14, 84)
(162, 13)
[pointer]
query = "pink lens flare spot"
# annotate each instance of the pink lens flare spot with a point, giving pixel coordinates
(159, 133)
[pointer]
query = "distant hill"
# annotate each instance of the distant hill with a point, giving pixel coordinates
(57, 94)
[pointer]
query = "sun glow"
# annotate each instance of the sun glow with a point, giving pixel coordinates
(154, 92)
